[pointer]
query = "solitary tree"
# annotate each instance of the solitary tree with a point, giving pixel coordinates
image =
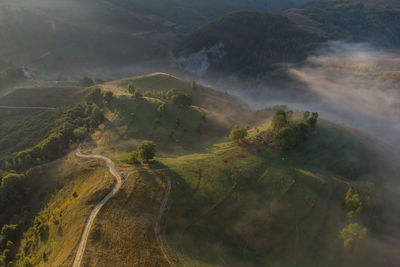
(147, 150)
(238, 134)
(131, 89)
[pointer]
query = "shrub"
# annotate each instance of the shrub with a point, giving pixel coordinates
(131, 89)
(352, 234)
(161, 108)
(108, 97)
(238, 134)
(95, 97)
(80, 133)
(133, 158)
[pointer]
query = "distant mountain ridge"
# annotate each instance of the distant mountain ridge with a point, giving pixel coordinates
(251, 43)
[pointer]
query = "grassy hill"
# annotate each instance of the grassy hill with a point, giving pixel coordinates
(239, 203)
(248, 206)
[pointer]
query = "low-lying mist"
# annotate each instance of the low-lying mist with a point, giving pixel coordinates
(353, 84)
(356, 85)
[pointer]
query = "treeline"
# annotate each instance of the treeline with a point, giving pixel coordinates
(287, 132)
(72, 126)
(174, 96)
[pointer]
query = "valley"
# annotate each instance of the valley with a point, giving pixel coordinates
(258, 133)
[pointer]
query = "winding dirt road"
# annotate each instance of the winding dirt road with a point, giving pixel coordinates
(97, 208)
(89, 223)
(157, 227)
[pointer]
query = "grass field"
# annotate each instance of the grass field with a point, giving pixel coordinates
(240, 206)
(45, 97)
(124, 231)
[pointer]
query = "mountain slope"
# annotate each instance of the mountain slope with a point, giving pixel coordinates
(245, 42)
(355, 21)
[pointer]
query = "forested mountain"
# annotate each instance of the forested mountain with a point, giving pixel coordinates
(250, 43)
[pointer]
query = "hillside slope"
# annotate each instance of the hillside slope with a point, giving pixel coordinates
(245, 42)
(242, 203)
(375, 22)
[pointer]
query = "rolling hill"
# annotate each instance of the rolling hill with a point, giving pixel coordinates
(243, 203)
(77, 37)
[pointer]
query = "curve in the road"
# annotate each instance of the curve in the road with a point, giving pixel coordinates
(97, 208)
(89, 223)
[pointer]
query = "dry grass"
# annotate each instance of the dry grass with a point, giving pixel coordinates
(66, 212)
(124, 231)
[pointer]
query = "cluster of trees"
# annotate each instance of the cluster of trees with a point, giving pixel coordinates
(11, 75)
(178, 98)
(238, 134)
(286, 133)
(354, 232)
(173, 95)
(101, 99)
(72, 126)
(146, 151)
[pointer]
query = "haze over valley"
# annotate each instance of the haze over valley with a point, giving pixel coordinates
(199, 133)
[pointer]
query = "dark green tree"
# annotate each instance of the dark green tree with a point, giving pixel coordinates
(238, 134)
(147, 150)
(279, 120)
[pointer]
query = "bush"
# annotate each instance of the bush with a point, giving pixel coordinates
(108, 97)
(133, 158)
(161, 108)
(80, 133)
(178, 98)
(182, 99)
(238, 134)
(352, 235)
(131, 89)
(95, 97)
(147, 150)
